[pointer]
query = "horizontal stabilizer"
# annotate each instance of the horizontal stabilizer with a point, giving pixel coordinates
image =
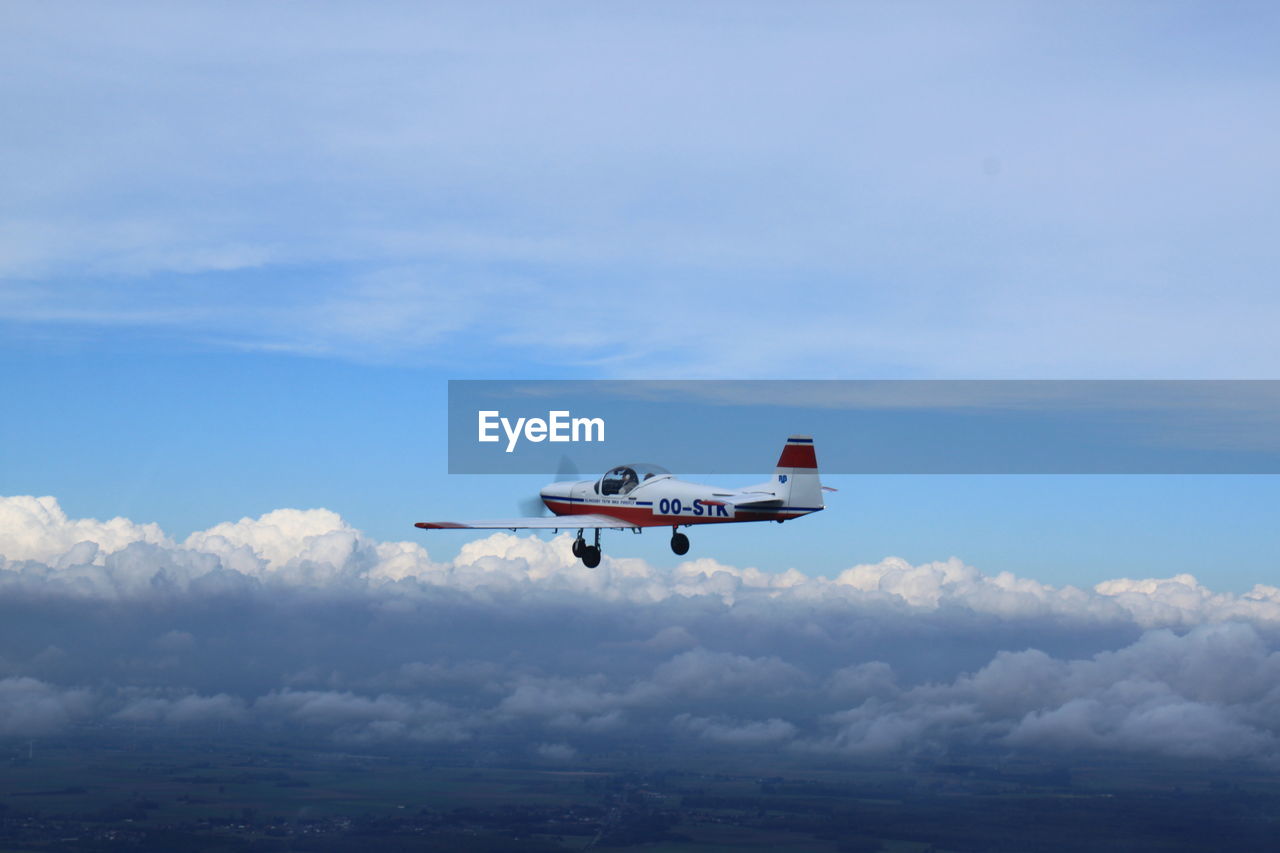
(756, 499)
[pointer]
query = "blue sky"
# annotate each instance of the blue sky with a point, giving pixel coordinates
(243, 248)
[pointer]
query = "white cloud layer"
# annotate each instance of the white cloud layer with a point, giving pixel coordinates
(297, 620)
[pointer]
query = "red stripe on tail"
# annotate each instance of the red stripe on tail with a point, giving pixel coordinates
(798, 456)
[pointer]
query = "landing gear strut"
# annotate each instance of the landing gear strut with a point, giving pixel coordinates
(679, 542)
(588, 554)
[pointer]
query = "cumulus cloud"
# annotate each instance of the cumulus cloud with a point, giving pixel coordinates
(32, 707)
(558, 752)
(754, 733)
(297, 622)
(34, 528)
(186, 709)
(1207, 693)
(362, 718)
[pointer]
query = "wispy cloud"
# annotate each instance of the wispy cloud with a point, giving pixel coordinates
(1008, 191)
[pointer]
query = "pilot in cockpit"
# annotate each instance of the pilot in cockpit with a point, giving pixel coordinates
(619, 481)
(624, 478)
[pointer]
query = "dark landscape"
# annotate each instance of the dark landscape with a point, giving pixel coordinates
(124, 792)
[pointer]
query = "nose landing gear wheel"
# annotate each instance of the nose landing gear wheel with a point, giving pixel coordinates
(679, 543)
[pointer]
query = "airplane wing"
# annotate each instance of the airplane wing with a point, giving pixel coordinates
(590, 521)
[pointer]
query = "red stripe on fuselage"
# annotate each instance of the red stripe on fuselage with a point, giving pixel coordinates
(798, 456)
(643, 516)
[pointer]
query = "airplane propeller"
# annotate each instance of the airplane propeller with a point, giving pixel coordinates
(533, 506)
(566, 471)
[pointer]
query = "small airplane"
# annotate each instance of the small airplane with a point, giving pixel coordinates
(635, 496)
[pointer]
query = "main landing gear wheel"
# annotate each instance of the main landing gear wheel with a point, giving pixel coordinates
(588, 554)
(679, 543)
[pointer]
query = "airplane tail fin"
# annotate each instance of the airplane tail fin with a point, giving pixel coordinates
(796, 478)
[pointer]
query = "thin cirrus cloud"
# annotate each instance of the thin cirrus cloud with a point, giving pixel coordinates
(986, 189)
(295, 621)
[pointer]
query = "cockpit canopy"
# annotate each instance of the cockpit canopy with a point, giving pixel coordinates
(624, 478)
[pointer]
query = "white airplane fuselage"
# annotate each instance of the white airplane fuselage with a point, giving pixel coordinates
(635, 496)
(665, 501)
